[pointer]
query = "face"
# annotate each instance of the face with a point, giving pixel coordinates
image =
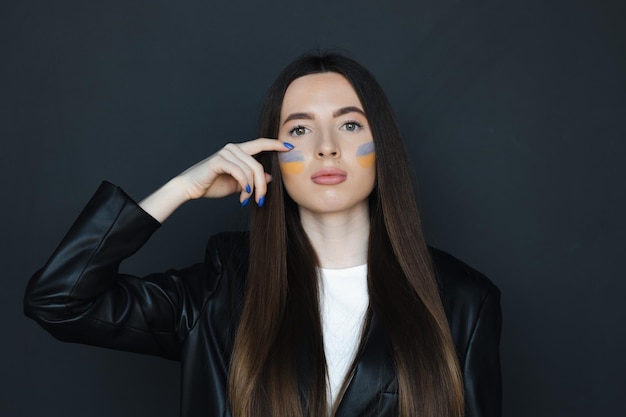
(332, 167)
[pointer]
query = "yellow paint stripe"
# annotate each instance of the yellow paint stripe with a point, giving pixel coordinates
(291, 168)
(367, 161)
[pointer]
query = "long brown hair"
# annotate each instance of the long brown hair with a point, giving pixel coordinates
(278, 366)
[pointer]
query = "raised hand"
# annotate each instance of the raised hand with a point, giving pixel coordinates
(230, 170)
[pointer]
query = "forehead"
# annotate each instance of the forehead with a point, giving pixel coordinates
(328, 89)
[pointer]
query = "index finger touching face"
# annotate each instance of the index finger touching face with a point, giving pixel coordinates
(256, 146)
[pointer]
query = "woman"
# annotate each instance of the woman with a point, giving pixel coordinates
(331, 304)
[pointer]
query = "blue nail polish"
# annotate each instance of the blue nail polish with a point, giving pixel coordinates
(244, 202)
(261, 201)
(248, 188)
(288, 145)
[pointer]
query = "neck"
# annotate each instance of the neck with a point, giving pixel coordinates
(339, 239)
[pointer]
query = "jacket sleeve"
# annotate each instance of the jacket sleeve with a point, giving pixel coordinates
(481, 369)
(79, 295)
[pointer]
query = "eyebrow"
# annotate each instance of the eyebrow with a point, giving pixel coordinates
(346, 110)
(298, 116)
(336, 113)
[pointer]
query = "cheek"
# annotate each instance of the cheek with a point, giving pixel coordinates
(291, 163)
(365, 155)
(291, 168)
(367, 161)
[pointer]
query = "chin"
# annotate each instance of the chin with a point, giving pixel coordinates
(334, 207)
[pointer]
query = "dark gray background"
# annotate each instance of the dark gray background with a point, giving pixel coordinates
(514, 119)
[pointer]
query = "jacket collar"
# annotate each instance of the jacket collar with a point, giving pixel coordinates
(374, 377)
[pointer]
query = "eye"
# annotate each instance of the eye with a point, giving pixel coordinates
(352, 126)
(298, 131)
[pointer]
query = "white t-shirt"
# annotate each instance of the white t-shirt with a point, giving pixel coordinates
(343, 304)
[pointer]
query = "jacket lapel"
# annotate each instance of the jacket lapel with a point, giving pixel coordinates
(373, 388)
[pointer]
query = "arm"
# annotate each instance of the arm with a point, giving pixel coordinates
(80, 296)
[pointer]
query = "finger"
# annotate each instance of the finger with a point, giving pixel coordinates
(235, 171)
(245, 162)
(253, 169)
(256, 146)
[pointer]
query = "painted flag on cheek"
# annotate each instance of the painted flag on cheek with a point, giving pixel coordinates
(292, 162)
(365, 155)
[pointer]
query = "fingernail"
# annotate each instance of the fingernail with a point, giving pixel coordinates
(248, 188)
(288, 145)
(244, 202)
(261, 201)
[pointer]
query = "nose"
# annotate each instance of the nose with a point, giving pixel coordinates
(327, 147)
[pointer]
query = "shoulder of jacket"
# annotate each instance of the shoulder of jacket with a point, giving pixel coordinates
(228, 249)
(229, 240)
(459, 281)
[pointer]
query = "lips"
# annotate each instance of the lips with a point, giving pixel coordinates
(329, 176)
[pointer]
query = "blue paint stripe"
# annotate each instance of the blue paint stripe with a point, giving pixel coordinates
(291, 156)
(365, 149)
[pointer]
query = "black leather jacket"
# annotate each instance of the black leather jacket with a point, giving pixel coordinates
(190, 315)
